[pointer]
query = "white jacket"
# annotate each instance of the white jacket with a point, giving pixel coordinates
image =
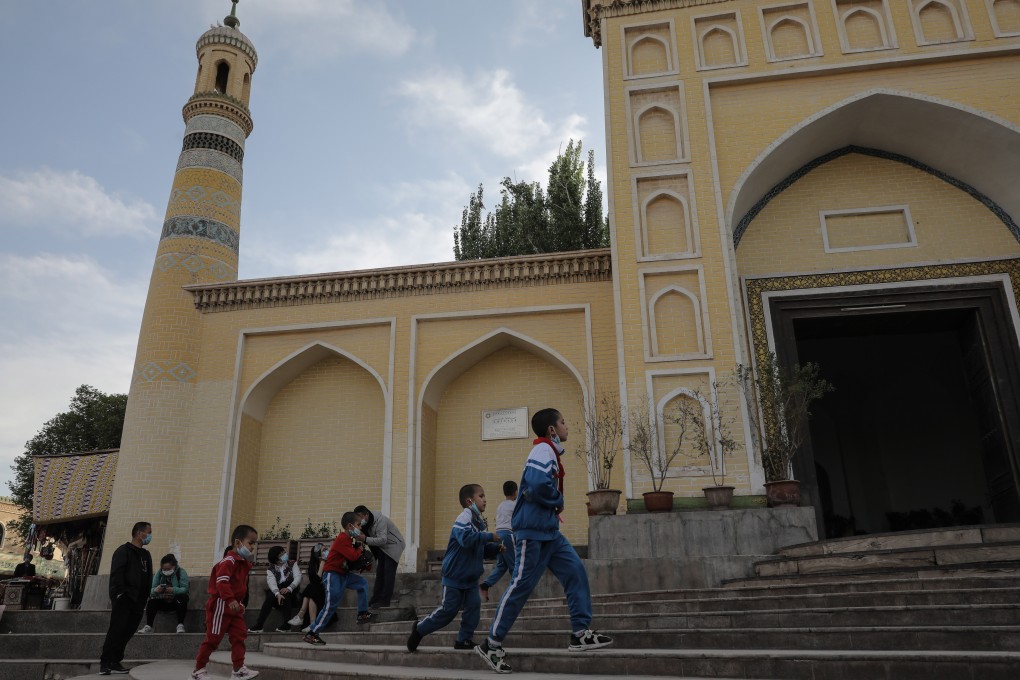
(273, 586)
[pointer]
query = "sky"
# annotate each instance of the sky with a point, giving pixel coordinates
(374, 122)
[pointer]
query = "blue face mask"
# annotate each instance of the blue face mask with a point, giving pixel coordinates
(147, 539)
(245, 553)
(355, 532)
(474, 508)
(283, 559)
(325, 553)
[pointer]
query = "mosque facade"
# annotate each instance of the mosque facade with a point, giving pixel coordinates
(830, 180)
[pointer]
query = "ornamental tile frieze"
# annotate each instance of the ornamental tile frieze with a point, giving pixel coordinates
(211, 201)
(200, 227)
(194, 263)
(210, 160)
(166, 370)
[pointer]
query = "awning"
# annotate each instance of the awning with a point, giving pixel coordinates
(73, 486)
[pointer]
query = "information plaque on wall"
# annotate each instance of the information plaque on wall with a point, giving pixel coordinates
(505, 423)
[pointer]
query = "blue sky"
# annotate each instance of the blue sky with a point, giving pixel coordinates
(374, 121)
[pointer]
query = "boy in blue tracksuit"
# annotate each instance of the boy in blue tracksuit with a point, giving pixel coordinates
(469, 544)
(539, 545)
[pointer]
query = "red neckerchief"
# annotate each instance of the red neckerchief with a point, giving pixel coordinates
(560, 472)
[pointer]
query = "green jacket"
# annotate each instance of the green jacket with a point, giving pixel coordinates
(179, 581)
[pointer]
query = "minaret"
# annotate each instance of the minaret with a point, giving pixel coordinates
(198, 244)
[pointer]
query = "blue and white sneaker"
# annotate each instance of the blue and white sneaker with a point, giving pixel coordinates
(589, 640)
(494, 656)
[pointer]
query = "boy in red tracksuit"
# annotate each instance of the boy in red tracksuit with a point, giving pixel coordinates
(224, 612)
(337, 576)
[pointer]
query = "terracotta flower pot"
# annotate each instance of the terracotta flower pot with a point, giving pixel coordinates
(604, 501)
(658, 501)
(784, 493)
(718, 497)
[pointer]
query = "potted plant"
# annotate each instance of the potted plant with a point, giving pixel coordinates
(712, 441)
(644, 445)
(313, 534)
(276, 535)
(779, 419)
(603, 425)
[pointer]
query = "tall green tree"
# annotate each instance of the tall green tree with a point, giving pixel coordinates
(93, 422)
(566, 215)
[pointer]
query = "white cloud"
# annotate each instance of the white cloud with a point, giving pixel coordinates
(492, 111)
(535, 20)
(316, 29)
(71, 201)
(67, 322)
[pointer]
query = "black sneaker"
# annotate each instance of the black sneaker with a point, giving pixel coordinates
(589, 640)
(103, 670)
(285, 628)
(494, 656)
(414, 639)
(117, 669)
(365, 617)
(314, 639)
(466, 644)
(254, 631)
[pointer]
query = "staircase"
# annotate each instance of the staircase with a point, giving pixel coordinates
(936, 605)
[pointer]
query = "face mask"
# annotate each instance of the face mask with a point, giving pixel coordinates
(168, 572)
(355, 532)
(364, 521)
(474, 508)
(147, 539)
(245, 553)
(325, 553)
(283, 559)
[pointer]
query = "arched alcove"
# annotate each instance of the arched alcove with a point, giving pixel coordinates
(719, 47)
(502, 369)
(222, 77)
(668, 430)
(940, 135)
(864, 29)
(1006, 17)
(332, 406)
(658, 134)
(789, 38)
(665, 224)
(939, 21)
(675, 323)
(647, 55)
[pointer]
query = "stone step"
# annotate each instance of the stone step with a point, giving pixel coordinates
(90, 645)
(961, 638)
(884, 579)
(55, 668)
(912, 558)
(284, 662)
(924, 538)
(935, 615)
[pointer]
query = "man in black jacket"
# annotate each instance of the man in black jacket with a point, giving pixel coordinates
(130, 580)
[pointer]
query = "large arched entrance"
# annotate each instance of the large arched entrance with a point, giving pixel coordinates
(878, 238)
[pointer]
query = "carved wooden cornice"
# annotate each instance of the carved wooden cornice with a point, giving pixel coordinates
(582, 266)
(594, 12)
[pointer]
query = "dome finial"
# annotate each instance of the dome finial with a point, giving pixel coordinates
(232, 20)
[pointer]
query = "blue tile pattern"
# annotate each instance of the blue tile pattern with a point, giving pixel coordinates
(199, 227)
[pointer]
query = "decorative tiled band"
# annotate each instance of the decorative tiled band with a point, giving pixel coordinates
(996, 209)
(213, 269)
(204, 158)
(206, 201)
(211, 140)
(170, 370)
(217, 125)
(200, 227)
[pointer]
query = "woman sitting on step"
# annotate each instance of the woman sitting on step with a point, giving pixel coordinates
(282, 589)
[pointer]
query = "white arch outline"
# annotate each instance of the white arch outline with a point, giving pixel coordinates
(786, 136)
(670, 67)
(807, 35)
(876, 17)
(737, 56)
(680, 151)
(660, 415)
(993, 15)
(674, 288)
(954, 14)
(688, 228)
(484, 346)
(324, 350)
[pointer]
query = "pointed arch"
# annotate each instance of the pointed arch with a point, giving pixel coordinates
(646, 39)
(667, 194)
(724, 32)
(903, 126)
(877, 21)
(667, 111)
(1005, 16)
(803, 30)
(660, 411)
(653, 332)
(946, 9)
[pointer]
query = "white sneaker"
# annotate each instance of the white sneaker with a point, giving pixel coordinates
(296, 621)
(145, 629)
(180, 627)
(200, 674)
(243, 673)
(306, 629)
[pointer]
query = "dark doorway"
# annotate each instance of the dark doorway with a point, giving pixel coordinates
(922, 429)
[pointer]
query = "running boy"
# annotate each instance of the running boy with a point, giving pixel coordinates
(336, 575)
(505, 558)
(539, 545)
(224, 611)
(469, 544)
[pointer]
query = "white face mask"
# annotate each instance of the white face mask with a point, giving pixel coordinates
(168, 572)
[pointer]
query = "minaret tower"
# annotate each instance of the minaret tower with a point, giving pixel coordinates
(198, 244)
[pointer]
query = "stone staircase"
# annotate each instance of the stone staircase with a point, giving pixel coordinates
(890, 607)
